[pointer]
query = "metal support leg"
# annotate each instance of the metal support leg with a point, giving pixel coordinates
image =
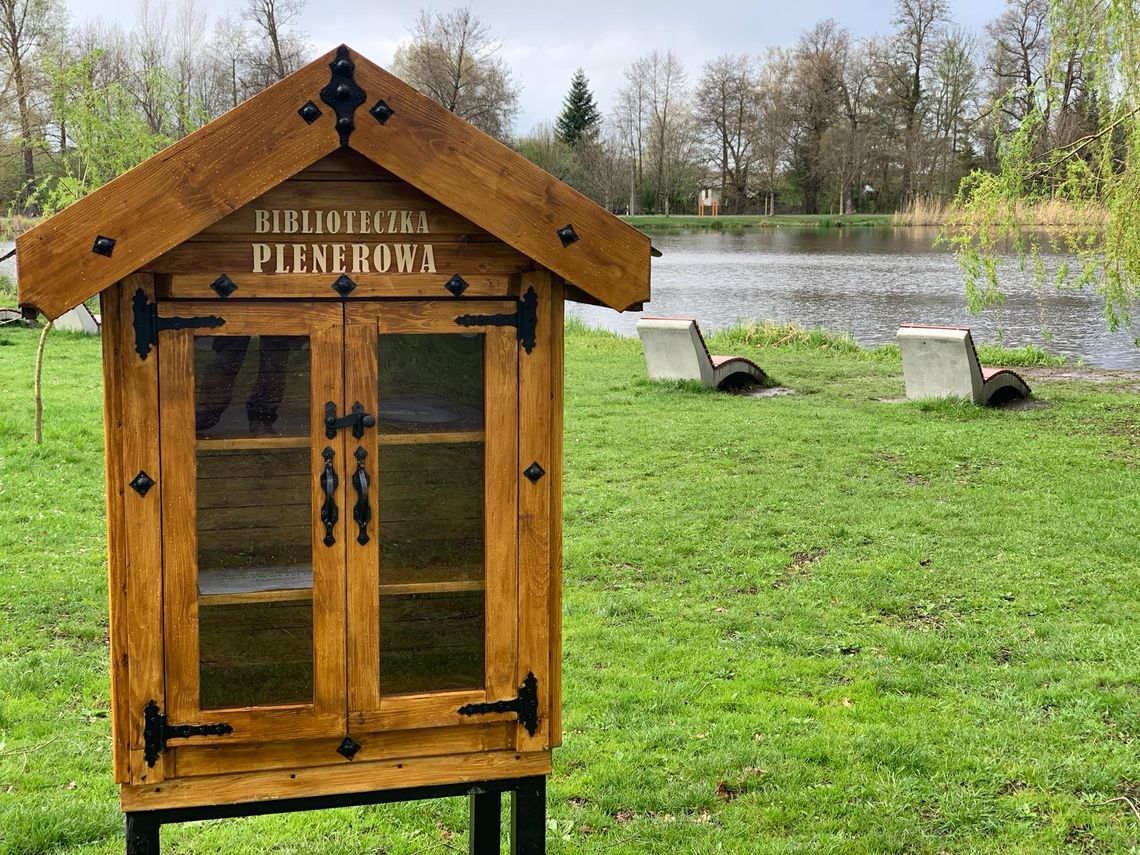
(485, 823)
(528, 817)
(142, 834)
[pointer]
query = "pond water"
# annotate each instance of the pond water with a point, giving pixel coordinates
(864, 282)
(860, 281)
(7, 268)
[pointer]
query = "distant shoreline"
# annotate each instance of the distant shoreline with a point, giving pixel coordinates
(732, 222)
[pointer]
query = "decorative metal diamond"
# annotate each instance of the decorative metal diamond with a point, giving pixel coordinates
(142, 483)
(534, 472)
(381, 112)
(343, 285)
(567, 235)
(456, 285)
(223, 286)
(103, 246)
(348, 748)
(310, 112)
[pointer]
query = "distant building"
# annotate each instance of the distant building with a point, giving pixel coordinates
(708, 198)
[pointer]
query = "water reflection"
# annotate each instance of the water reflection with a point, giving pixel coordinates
(864, 282)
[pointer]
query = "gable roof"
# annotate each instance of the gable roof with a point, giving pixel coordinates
(257, 145)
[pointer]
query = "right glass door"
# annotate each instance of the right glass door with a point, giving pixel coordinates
(432, 573)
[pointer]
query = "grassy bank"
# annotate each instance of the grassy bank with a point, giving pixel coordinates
(1042, 215)
(813, 623)
(738, 222)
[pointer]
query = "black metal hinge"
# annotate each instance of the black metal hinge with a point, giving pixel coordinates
(157, 730)
(148, 324)
(525, 705)
(525, 320)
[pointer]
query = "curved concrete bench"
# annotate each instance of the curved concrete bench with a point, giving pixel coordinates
(676, 350)
(941, 362)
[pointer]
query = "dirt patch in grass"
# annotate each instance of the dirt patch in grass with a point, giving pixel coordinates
(761, 391)
(800, 566)
(1083, 373)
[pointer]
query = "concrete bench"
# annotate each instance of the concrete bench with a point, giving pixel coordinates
(78, 320)
(941, 362)
(676, 350)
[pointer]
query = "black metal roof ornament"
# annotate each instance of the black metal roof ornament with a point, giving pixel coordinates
(567, 235)
(309, 111)
(103, 246)
(344, 285)
(343, 93)
(456, 285)
(223, 286)
(381, 112)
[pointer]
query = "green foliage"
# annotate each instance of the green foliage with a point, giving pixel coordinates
(7, 290)
(108, 133)
(1096, 177)
(580, 116)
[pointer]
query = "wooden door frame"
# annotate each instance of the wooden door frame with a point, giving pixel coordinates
(325, 716)
(369, 710)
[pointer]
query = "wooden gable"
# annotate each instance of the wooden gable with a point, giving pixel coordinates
(342, 216)
(198, 187)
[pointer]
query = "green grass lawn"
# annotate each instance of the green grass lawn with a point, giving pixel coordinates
(811, 623)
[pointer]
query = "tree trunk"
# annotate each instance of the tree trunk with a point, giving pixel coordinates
(25, 115)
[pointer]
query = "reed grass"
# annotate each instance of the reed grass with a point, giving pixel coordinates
(1040, 214)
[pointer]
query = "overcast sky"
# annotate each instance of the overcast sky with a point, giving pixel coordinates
(545, 42)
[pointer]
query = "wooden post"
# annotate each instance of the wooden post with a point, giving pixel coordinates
(142, 834)
(528, 817)
(483, 839)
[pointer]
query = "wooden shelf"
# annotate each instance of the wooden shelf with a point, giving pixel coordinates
(283, 595)
(239, 443)
(452, 586)
(238, 585)
(431, 437)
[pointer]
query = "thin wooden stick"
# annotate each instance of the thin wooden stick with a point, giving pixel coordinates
(1127, 801)
(37, 391)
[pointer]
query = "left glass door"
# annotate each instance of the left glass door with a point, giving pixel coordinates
(254, 495)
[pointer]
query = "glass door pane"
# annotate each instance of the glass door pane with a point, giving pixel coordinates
(254, 513)
(253, 590)
(431, 512)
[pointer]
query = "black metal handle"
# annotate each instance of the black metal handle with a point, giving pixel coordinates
(329, 512)
(357, 419)
(362, 512)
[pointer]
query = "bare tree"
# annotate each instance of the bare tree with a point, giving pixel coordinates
(630, 117)
(671, 132)
(24, 26)
(282, 52)
(453, 60)
(1020, 51)
(601, 167)
(953, 111)
(775, 121)
(817, 83)
(728, 99)
(916, 23)
(849, 137)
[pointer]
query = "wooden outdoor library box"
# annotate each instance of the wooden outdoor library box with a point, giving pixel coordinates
(332, 325)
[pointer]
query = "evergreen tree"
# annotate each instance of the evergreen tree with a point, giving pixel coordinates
(579, 117)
